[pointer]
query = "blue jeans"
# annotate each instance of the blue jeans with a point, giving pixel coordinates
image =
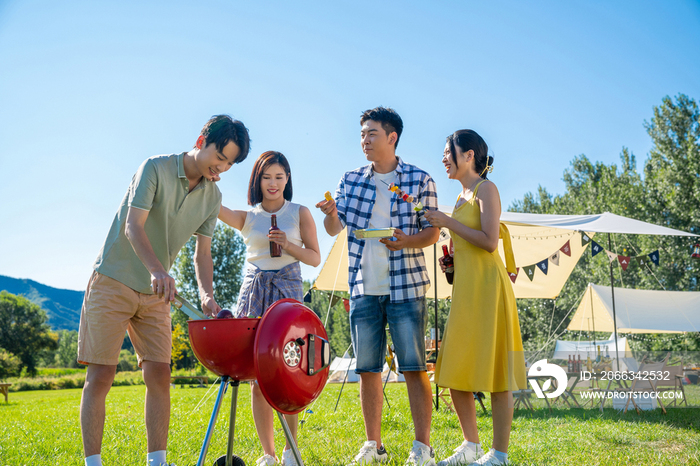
(369, 316)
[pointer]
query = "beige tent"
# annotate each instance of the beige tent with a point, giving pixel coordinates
(638, 311)
(535, 237)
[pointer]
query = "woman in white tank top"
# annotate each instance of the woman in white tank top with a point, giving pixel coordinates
(269, 278)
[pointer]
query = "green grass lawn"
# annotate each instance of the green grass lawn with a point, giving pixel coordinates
(42, 427)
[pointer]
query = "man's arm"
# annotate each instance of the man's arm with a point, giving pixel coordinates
(162, 283)
(333, 210)
(331, 222)
(204, 268)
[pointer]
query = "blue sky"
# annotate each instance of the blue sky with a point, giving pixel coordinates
(88, 90)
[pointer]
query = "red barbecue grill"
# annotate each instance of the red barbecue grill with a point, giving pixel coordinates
(286, 351)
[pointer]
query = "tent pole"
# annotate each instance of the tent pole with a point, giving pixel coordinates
(590, 290)
(612, 291)
(437, 329)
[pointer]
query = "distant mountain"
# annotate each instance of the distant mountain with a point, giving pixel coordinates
(62, 306)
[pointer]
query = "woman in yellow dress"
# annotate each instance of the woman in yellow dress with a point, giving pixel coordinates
(482, 347)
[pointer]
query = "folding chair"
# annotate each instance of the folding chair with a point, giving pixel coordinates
(647, 385)
(522, 396)
(444, 395)
(674, 382)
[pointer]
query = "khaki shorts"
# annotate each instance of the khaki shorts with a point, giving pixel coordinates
(111, 308)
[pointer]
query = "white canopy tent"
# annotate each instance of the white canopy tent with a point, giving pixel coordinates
(535, 237)
(343, 370)
(638, 311)
(565, 349)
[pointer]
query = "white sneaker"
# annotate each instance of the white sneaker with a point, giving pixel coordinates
(463, 455)
(421, 455)
(266, 460)
(288, 458)
(369, 453)
(489, 459)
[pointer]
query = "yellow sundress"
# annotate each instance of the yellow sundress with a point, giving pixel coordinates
(482, 348)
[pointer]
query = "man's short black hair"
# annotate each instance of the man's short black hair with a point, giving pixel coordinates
(389, 119)
(222, 129)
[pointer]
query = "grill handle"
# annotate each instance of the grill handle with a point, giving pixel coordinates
(311, 354)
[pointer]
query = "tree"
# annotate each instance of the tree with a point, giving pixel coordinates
(67, 352)
(23, 330)
(9, 365)
(668, 195)
(180, 357)
(590, 188)
(228, 255)
(672, 182)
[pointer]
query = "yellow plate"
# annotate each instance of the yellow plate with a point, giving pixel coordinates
(374, 233)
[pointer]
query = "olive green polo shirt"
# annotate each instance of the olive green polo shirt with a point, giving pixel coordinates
(160, 187)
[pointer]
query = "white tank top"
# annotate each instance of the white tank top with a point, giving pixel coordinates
(256, 227)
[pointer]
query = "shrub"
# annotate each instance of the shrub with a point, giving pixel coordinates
(59, 371)
(127, 361)
(9, 364)
(70, 381)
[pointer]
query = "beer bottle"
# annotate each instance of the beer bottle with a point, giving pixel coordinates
(275, 249)
(448, 260)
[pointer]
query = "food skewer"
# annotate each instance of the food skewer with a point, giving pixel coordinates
(417, 205)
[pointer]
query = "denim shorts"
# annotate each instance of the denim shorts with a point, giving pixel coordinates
(407, 321)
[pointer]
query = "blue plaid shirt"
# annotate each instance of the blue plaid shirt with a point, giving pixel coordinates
(355, 198)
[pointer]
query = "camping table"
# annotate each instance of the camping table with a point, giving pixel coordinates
(527, 392)
(203, 379)
(569, 392)
(4, 389)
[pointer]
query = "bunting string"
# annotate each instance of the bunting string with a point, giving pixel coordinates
(637, 336)
(642, 259)
(649, 268)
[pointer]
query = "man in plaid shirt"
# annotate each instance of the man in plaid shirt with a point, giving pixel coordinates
(388, 278)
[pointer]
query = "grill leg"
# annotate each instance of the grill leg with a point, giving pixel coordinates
(232, 422)
(212, 421)
(290, 439)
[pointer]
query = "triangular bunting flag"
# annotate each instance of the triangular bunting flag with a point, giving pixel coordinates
(696, 251)
(530, 271)
(595, 248)
(334, 300)
(654, 256)
(543, 265)
(611, 255)
(307, 297)
(624, 261)
(513, 276)
(346, 304)
(642, 260)
(566, 249)
(585, 239)
(554, 258)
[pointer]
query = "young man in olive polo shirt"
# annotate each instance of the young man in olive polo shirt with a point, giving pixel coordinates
(170, 198)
